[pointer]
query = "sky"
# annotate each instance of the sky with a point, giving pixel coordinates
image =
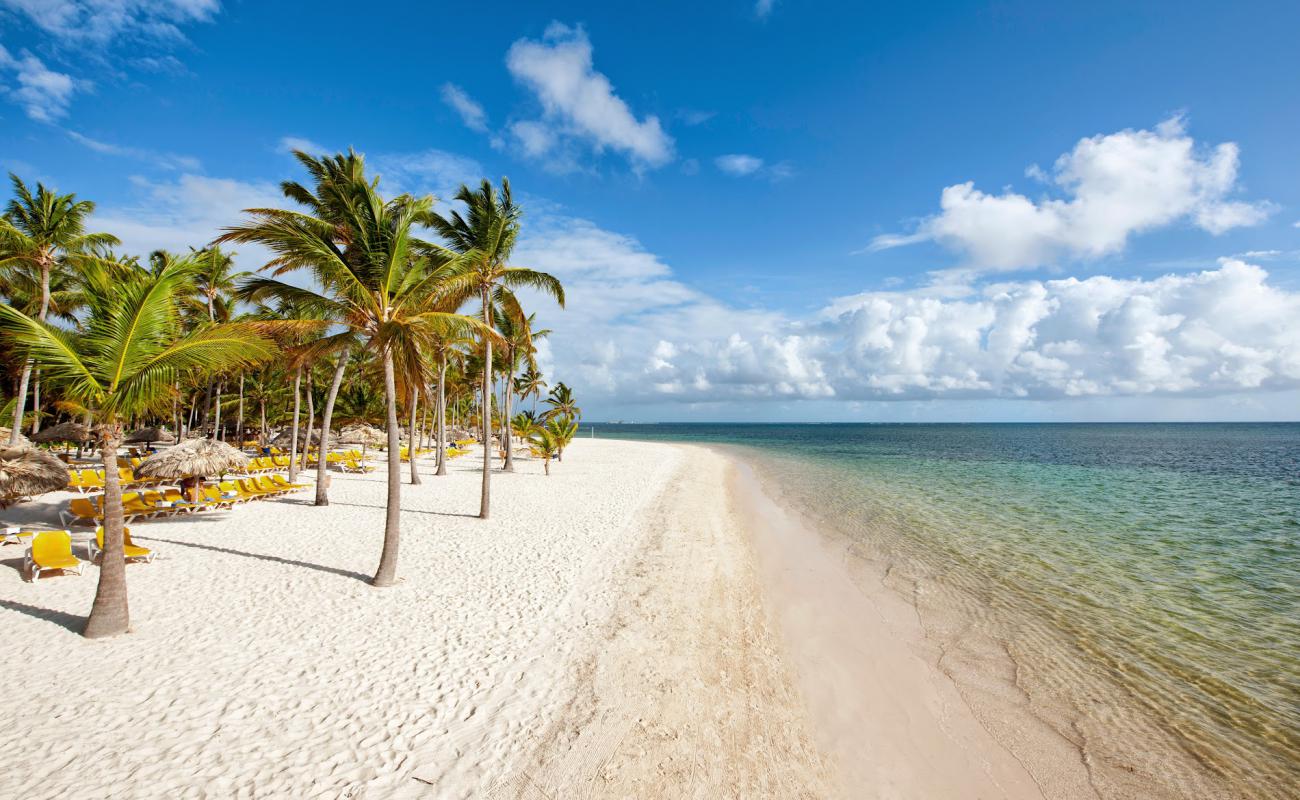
(761, 211)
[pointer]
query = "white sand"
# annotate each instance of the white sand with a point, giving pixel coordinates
(261, 663)
(615, 630)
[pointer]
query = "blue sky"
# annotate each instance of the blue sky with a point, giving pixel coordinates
(762, 210)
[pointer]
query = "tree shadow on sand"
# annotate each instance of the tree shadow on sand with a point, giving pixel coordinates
(405, 510)
(63, 619)
(345, 573)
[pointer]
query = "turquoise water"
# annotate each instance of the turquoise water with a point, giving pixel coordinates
(1135, 587)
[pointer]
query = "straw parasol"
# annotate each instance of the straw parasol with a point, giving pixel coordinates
(193, 459)
(73, 432)
(364, 435)
(27, 471)
(5, 434)
(285, 436)
(149, 435)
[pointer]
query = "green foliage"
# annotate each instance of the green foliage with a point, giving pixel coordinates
(131, 349)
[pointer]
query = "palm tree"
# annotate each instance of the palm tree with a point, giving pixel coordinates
(530, 383)
(562, 403)
(378, 281)
(520, 337)
(482, 242)
(564, 428)
(544, 444)
(37, 233)
(123, 364)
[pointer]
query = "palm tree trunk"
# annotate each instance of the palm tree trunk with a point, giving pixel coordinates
(217, 433)
(322, 464)
(261, 430)
(293, 433)
(509, 393)
(485, 502)
(36, 401)
(176, 412)
(239, 434)
(109, 615)
(415, 437)
(441, 422)
(386, 575)
(311, 421)
(20, 400)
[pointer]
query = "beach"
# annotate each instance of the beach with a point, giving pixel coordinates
(614, 630)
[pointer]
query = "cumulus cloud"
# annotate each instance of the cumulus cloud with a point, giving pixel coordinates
(636, 334)
(189, 211)
(579, 104)
(470, 111)
(43, 93)
(1113, 186)
(102, 21)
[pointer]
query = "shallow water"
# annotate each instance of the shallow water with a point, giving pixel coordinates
(1134, 588)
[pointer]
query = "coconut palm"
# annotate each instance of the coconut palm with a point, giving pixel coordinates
(37, 234)
(564, 428)
(376, 279)
(521, 336)
(482, 241)
(123, 364)
(544, 444)
(561, 402)
(531, 383)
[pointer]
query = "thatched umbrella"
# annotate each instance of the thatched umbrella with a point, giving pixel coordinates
(364, 435)
(285, 437)
(149, 435)
(27, 471)
(5, 433)
(192, 460)
(73, 432)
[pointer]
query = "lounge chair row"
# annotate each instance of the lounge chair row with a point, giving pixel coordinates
(52, 550)
(165, 503)
(92, 480)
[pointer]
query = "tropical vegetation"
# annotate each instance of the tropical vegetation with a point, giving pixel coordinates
(386, 324)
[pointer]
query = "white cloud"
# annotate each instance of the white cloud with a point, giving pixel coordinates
(738, 164)
(43, 93)
(579, 103)
(741, 165)
(189, 211)
(102, 21)
(763, 8)
(429, 171)
(1115, 186)
(635, 334)
(164, 160)
(288, 144)
(470, 111)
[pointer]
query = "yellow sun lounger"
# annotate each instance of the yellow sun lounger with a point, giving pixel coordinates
(50, 550)
(95, 547)
(83, 509)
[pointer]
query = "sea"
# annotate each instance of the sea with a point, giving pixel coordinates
(1133, 589)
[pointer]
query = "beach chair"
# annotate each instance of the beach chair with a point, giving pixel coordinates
(233, 493)
(132, 551)
(92, 480)
(82, 509)
(283, 481)
(134, 507)
(215, 499)
(16, 536)
(247, 486)
(181, 502)
(50, 550)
